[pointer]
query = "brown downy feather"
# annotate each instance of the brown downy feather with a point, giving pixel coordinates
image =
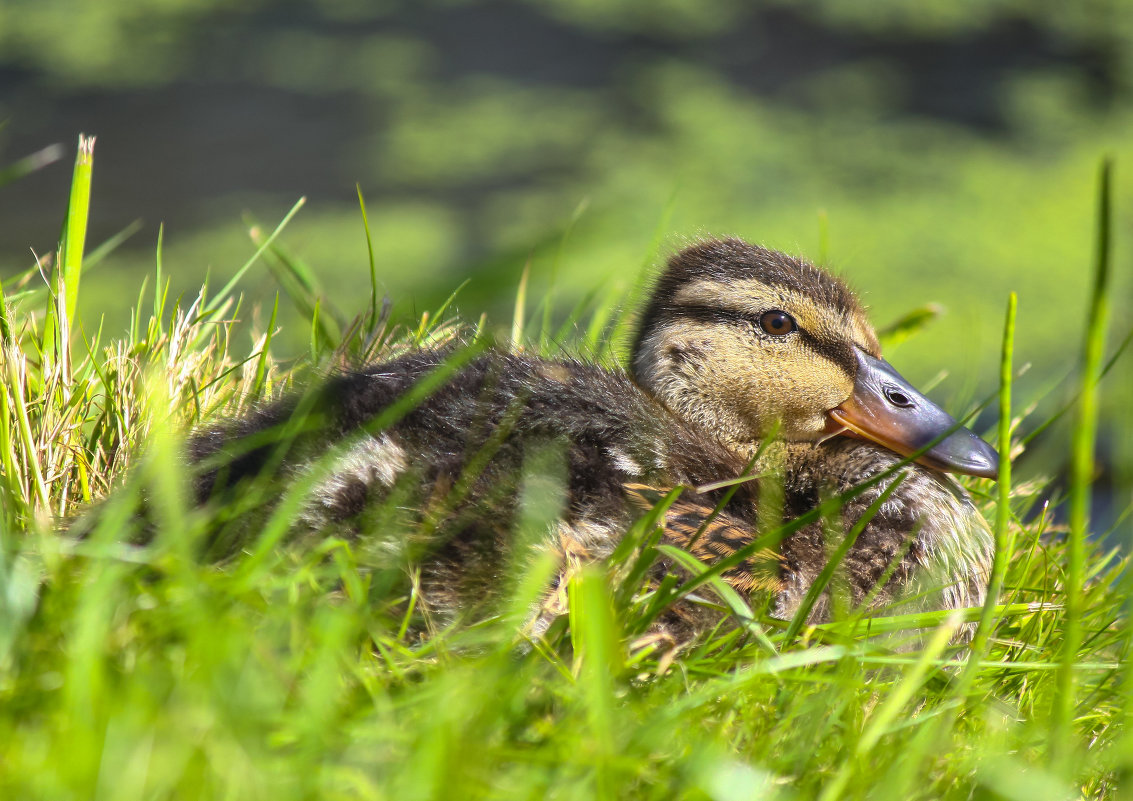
(710, 535)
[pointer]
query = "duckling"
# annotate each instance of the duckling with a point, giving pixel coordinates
(736, 343)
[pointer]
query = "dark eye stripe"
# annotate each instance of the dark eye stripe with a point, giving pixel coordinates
(839, 352)
(712, 314)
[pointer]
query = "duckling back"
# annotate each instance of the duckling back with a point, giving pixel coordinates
(452, 461)
(611, 431)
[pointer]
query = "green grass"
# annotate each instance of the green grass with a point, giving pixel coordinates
(292, 671)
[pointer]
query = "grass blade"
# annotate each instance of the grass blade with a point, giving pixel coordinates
(374, 315)
(598, 663)
(517, 320)
(1004, 540)
(78, 211)
(636, 292)
(548, 302)
(60, 314)
(886, 715)
(908, 325)
(29, 164)
(226, 290)
(740, 609)
(1081, 474)
(839, 553)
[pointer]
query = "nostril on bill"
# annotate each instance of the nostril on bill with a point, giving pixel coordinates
(897, 398)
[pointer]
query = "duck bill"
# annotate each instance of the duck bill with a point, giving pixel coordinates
(886, 409)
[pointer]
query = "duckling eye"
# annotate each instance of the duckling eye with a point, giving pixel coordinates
(777, 323)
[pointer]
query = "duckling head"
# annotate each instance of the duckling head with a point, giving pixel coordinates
(748, 341)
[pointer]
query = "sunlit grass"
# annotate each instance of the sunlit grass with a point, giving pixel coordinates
(293, 668)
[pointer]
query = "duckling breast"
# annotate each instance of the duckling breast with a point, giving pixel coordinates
(926, 547)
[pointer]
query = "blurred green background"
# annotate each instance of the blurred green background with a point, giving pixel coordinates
(933, 151)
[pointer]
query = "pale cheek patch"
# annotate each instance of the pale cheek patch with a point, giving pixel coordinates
(797, 393)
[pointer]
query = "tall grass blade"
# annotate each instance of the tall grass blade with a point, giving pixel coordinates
(260, 381)
(596, 643)
(158, 296)
(908, 325)
(108, 246)
(1004, 540)
(78, 212)
(518, 316)
(1081, 475)
(838, 554)
(5, 322)
(885, 716)
(316, 337)
(991, 611)
(374, 313)
(59, 316)
(227, 289)
(636, 292)
(548, 302)
(17, 379)
(14, 508)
